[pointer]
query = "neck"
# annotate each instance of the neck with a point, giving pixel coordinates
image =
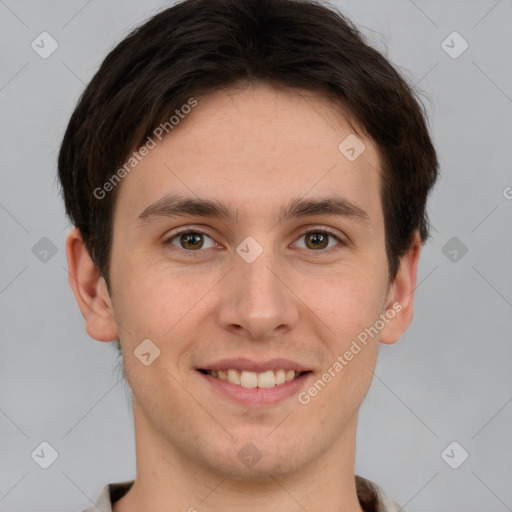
(169, 480)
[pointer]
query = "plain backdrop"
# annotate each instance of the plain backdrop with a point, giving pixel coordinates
(448, 379)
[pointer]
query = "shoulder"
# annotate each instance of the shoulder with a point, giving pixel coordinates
(108, 495)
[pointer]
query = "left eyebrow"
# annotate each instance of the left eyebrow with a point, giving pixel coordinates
(332, 205)
(174, 205)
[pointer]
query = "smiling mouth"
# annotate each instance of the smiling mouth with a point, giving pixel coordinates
(247, 379)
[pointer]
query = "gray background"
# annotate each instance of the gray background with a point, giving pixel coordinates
(448, 379)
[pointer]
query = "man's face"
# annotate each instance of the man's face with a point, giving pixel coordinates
(206, 297)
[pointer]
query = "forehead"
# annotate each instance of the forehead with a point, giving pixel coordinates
(256, 147)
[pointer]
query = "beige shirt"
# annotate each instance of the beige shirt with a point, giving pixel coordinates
(371, 497)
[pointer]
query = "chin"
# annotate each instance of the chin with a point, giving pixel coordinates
(266, 469)
(259, 460)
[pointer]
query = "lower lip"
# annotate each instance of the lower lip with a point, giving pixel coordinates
(256, 396)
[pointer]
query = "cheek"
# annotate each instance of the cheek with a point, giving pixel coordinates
(157, 301)
(141, 305)
(154, 305)
(347, 301)
(347, 307)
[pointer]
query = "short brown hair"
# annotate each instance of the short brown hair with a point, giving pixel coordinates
(198, 46)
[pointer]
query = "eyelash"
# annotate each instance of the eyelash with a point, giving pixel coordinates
(199, 252)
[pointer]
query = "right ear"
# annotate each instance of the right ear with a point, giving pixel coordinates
(90, 290)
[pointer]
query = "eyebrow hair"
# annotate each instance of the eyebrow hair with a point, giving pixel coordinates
(175, 205)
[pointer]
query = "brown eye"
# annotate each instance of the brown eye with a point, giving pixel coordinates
(190, 240)
(319, 241)
(316, 240)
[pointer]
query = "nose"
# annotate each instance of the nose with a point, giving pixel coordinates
(257, 301)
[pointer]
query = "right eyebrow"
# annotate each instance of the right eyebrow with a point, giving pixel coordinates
(170, 205)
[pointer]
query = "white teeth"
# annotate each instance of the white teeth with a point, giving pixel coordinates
(267, 379)
(233, 377)
(290, 375)
(248, 379)
(280, 377)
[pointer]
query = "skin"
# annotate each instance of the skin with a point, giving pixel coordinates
(254, 148)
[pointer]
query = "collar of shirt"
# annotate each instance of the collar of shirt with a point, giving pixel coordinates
(371, 497)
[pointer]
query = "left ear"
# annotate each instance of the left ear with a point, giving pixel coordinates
(400, 300)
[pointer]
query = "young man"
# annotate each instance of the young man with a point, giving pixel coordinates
(248, 181)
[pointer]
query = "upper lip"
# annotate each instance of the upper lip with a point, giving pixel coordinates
(255, 366)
